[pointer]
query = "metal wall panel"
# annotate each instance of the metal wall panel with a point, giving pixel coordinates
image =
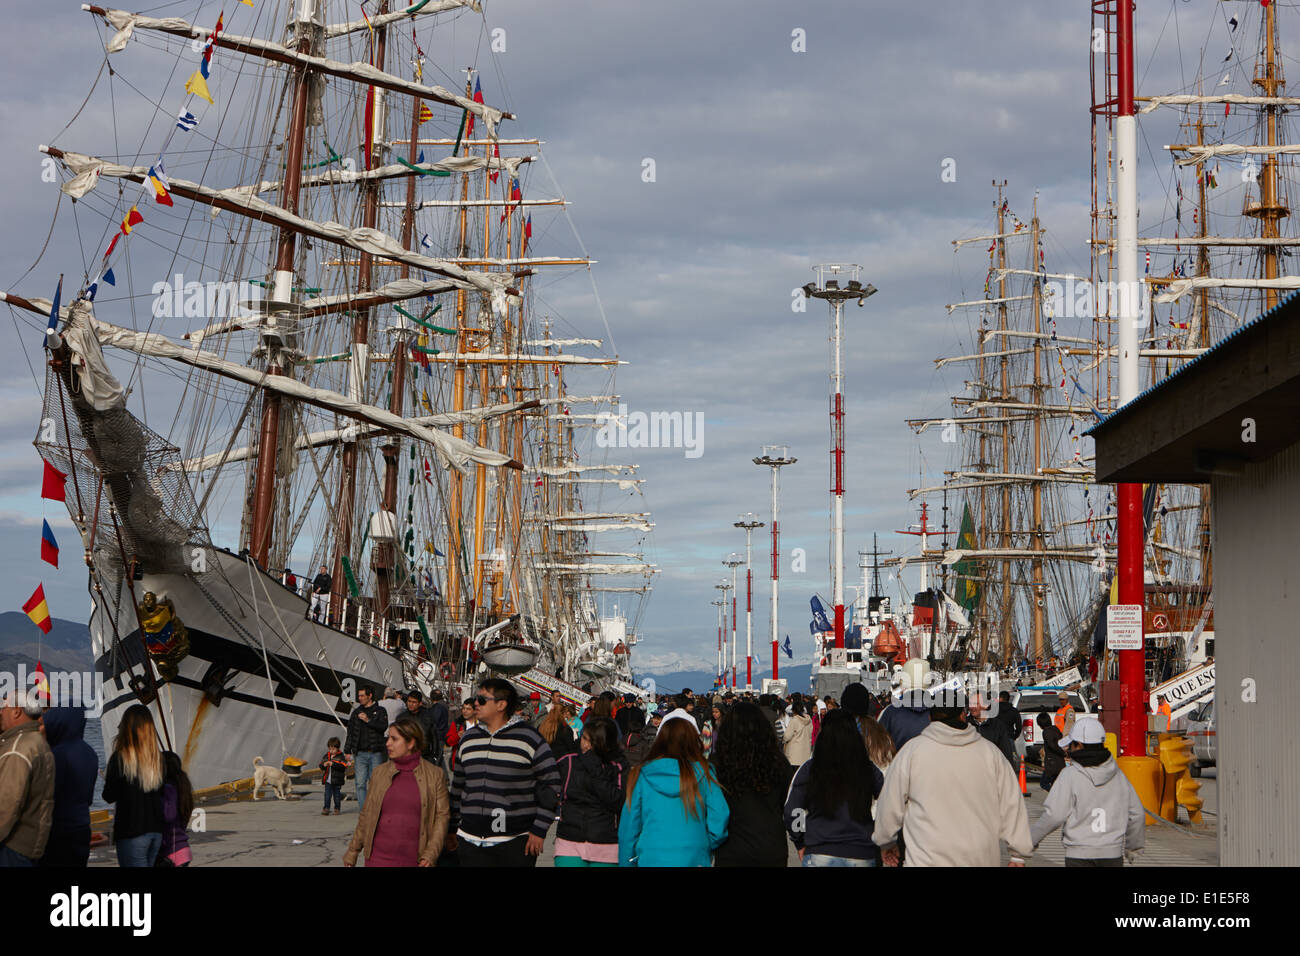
(1256, 527)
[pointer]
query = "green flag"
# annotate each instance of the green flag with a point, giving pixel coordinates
(968, 591)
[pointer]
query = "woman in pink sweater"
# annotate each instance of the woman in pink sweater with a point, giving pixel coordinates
(404, 821)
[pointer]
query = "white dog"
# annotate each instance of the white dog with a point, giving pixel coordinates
(272, 777)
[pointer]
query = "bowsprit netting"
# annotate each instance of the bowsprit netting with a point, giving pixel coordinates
(125, 488)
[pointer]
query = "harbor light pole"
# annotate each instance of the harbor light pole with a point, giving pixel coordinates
(748, 522)
(724, 587)
(718, 605)
(733, 561)
(774, 456)
(827, 287)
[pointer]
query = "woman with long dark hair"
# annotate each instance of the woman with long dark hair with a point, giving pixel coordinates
(133, 781)
(591, 798)
(828, 809)
(754, 775)
(676, 814)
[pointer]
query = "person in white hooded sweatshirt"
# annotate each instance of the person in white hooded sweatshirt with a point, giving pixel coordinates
(953, 796)
(1103, 818)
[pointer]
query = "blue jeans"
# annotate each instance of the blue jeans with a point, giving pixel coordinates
(10, 857)
(821, 859)
(139, 850)
(365, 763)
(335, 791)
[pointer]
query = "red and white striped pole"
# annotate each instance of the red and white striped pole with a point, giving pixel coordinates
(774, 456)
(1132, 664)
(749, 524)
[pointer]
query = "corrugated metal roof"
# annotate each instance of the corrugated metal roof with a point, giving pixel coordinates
(1293, 297)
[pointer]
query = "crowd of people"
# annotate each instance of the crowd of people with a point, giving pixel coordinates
(732, 779)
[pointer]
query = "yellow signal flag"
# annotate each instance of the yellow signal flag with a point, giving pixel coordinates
(197, 85)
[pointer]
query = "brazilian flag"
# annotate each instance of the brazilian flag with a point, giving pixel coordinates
(968, 591)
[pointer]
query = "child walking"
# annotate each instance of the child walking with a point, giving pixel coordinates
(335, 768)
(178, 807)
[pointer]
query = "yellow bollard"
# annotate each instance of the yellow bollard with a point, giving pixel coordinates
(1146, 775)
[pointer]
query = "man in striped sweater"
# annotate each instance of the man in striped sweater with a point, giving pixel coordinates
(505, 788)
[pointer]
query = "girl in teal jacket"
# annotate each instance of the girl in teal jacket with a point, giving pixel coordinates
(676, 813)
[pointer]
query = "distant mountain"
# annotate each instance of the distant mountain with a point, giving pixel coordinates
(65, 648)
(797, 677)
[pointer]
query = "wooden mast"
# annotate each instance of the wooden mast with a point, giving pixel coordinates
(384, 556)
(1038, 590)
(1270, 208)
(485, 372)
(454, 504)
(375, 116)
(1203, 339)
(259, 544)
(1005, 396)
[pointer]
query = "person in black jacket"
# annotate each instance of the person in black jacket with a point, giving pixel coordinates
(994, 731)
(591, 798)
(754, 774)
(639, 737)
(1009, 716)
(1053, 755)
(367, 739)
(76, 771)
(422, 715)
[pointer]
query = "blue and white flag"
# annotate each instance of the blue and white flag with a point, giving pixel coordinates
(786, 647)
(426, 242)
(186, 121)
(54, 312)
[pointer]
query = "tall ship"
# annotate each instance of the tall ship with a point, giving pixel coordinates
(309, 346)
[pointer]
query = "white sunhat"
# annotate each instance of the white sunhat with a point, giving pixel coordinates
(1087, 731)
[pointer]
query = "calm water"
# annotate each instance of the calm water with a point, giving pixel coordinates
(95, 737)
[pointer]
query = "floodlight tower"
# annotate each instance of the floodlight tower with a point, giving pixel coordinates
(748, 522)
(827, 287)
(733, 561)
(724, 587)
(718, 667)
(774, 456)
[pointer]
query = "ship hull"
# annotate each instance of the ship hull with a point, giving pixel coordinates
(222, 709)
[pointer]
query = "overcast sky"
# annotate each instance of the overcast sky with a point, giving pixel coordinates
(768, 160)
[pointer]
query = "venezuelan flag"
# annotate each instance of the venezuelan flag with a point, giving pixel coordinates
(158, 180)
(38, 610)
(49, 547)
(132, 218)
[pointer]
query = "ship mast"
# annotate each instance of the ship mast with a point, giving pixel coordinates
(1004, 396)
(1270, 208)
(1039, 590)
(375, 136)
(310, 19)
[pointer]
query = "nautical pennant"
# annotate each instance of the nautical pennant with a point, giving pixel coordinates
(186, 122)
(478, 98)
(158, 180)
(131, 219)
(52, 481)
(197, 85)
(515, 197)
(38, 610)
(528, 234)
(426, 114)
(49, 546)
(496, 154)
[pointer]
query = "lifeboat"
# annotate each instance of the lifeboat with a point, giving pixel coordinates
(889, 643)
(505, 649)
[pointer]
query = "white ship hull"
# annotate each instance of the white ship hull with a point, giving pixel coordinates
(314, 671)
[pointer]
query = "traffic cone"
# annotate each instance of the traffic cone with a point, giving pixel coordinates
(1024, 786)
